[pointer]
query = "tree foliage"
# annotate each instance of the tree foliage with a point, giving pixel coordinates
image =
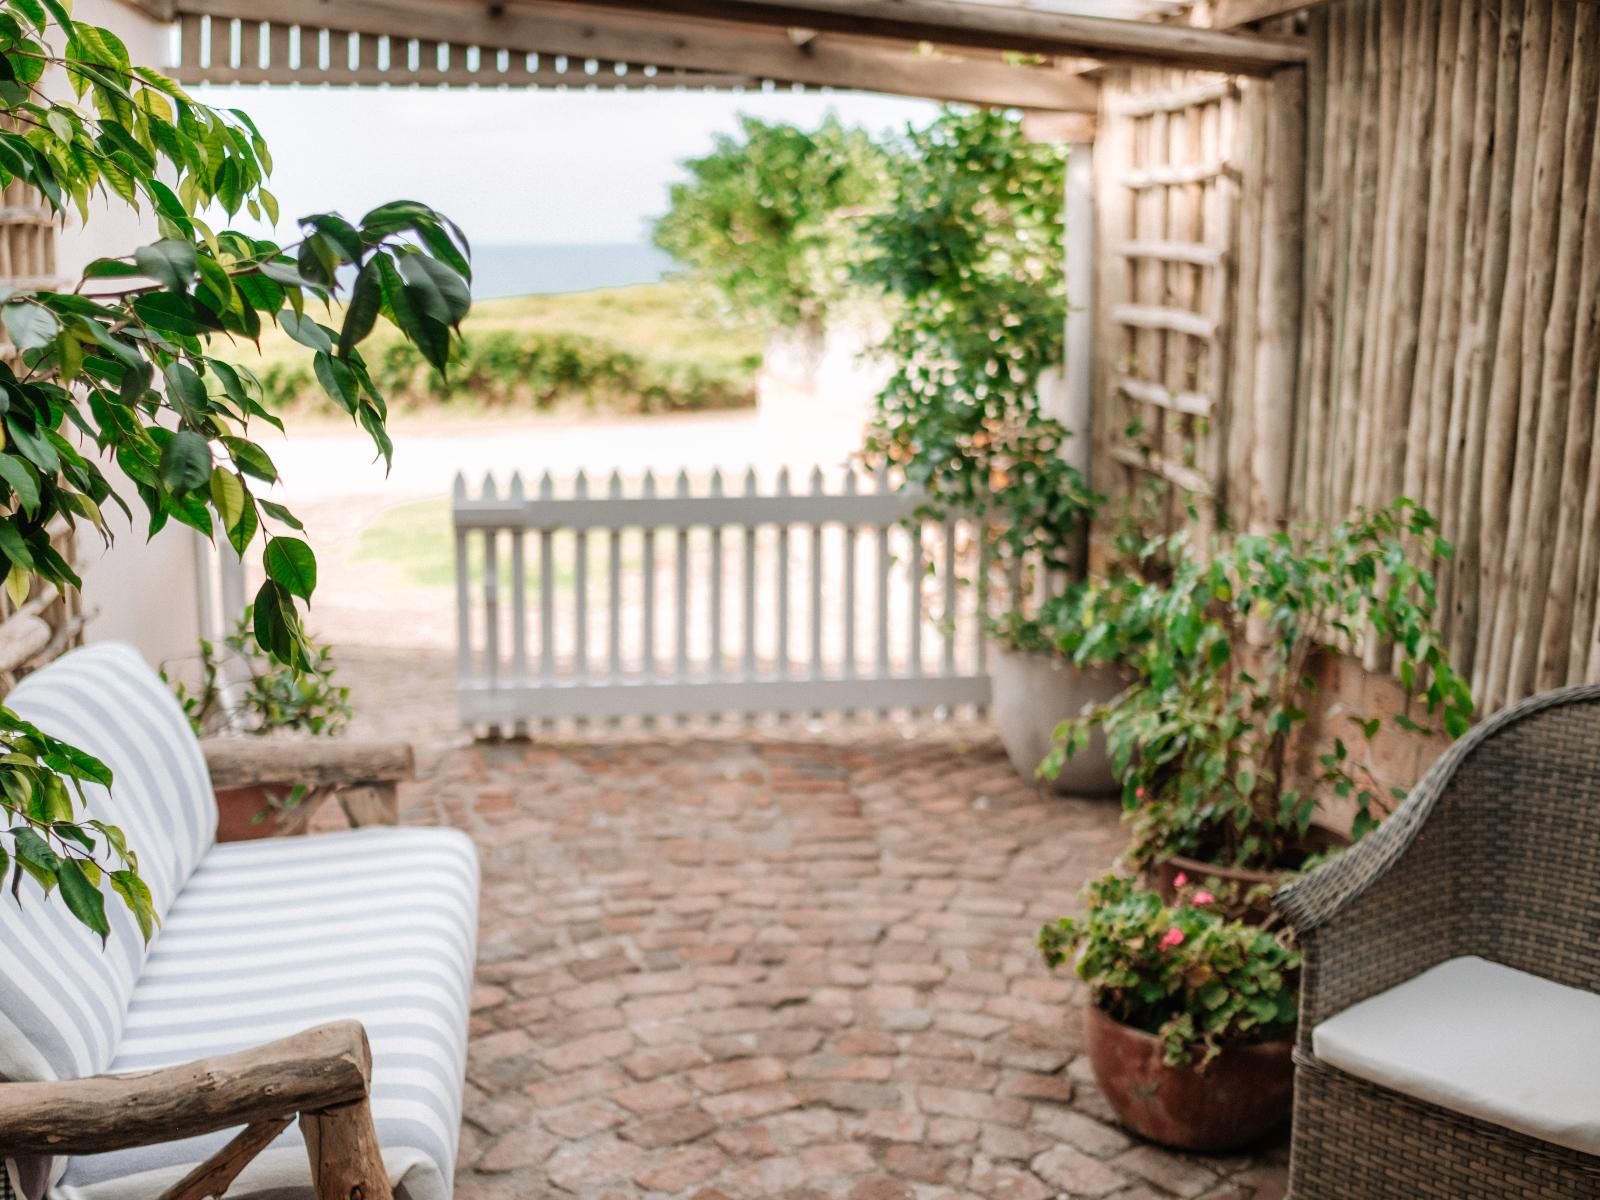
(766, 217)
(969, 249)
(121, 367)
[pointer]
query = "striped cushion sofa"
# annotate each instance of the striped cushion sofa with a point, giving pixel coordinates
(258, 941)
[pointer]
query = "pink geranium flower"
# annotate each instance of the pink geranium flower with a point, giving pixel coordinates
(1172, 937)
(1180, 880)
(1204, 897)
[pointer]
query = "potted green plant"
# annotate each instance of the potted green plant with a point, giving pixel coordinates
(246, 692)
(1205, 741)
(972, 224)
(1190, 1014)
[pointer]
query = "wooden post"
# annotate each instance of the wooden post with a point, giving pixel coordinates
(1078, 409)
(346, 1161)
(1278, 344)
(371, 804)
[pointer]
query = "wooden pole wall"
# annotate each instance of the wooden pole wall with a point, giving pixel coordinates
(1451, 346)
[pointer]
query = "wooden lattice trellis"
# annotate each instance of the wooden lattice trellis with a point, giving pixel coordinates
(48, 621)
(1168, 199)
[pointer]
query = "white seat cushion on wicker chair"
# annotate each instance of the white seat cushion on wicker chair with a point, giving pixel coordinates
(268, 938)
(1482, 1039)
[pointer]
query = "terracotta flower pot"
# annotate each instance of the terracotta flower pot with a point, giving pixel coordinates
(1161, 877)
(1241, 1096)
(237, 809)
(1032, 694)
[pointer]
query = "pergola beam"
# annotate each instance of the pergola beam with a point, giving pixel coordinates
(1234, 14)
(760, 52)
(1003, 27)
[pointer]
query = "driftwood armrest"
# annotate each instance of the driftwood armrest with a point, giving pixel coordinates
(321, 1068)
(363, 774)
(315, 762)
(321, 1075)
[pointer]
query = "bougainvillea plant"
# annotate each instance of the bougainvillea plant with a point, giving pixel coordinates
(968, 251)
(1184, 973)
(119, 366)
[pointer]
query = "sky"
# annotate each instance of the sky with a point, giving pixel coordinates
(512, 166)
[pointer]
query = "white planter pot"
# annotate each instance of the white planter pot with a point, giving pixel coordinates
(1032, 694)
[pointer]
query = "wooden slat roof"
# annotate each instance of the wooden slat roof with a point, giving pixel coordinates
(987, 52)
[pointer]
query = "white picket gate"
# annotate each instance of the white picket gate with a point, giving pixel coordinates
(704, 600)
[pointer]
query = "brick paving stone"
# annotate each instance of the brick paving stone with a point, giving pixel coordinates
(761, 965)
(683, 1168)
(1177, 1174)
(514, 1151)
(671, 1128)
(1075, 1172)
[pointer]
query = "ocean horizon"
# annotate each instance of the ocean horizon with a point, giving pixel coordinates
(552, 268)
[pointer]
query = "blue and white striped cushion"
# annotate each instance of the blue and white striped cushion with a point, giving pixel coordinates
(62, 996)
(271, 937)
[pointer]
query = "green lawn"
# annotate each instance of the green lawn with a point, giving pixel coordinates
(417, 541)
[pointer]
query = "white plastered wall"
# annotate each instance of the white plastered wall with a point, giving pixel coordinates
(137, 590)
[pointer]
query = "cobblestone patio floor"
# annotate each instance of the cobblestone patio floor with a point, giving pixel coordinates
(759, 966)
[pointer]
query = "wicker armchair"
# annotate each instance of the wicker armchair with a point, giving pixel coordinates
(1496, 853)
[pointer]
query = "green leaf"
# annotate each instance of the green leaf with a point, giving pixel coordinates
(242, 531)
(279, 513)
(33, 851)
(187, 391)
(338, 380)
(29, 326)
(227, 496)
(22, 482)
(136, 896)
(366, 298)
(84, 900)
(34, 446)
(169, 262)
(171, 313)
(430, 336)
(252, 459)
(305, 331)
(438, 280)
(186, 462)
(290, 562)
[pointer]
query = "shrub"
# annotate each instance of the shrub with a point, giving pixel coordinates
(533, 369)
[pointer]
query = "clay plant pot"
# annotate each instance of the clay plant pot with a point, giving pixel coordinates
(1241, 1096)
(1161, 877)
(237, 809)
(1032, 694)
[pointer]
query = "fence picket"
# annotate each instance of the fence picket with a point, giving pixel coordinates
(914, 580)
(816, 581)
(783, 582)
(849, 653)
(948, 566)
(681, 578)
(748, 621)
(458, 497)
(580, 588)
(491, 595)
(519, 595)
(715, 581)
(648, 651)
(547, 594)
(881, 662)
(614, 587)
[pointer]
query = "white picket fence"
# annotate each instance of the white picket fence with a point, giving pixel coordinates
(705, 599)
